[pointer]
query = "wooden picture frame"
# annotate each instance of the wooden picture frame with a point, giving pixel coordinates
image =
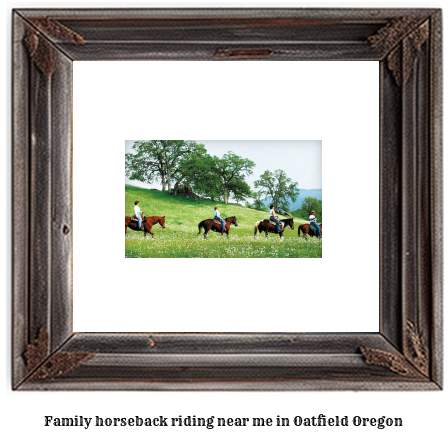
(406, 353)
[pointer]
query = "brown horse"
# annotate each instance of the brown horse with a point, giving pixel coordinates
(267, 227)
(147, 223)
(209, 224)
(306, 229)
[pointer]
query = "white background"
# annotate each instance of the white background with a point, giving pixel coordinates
(424, 414)
(332, 101)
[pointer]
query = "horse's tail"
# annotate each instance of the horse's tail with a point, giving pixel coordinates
(200, 226)
(256, 228)
(300, 227)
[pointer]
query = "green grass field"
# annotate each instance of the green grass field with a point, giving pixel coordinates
(180, 237)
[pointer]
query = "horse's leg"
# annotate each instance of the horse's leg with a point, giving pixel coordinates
(125, 230)
(150, 232)
(267, 234)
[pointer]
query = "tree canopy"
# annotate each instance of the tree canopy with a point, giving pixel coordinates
(158, 160)
(279, 187)
(185, 162)
(195, 170)
(232, 170)
(240, 190)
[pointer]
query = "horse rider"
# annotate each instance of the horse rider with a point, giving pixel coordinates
(273, 218)
(216, 215)
(313, 221)
(137, 214)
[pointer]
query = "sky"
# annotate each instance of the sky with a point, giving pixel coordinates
(300, 159)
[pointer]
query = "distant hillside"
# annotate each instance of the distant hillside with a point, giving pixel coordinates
(304, 193)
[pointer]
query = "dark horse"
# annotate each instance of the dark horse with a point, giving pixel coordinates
(147, 223)
(306, 229)
(267, 227)
(210, 224)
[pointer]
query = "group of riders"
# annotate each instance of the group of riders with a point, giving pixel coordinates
(312, 219)
(217, 216)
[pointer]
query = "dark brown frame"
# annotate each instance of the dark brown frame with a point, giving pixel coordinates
(406, 354)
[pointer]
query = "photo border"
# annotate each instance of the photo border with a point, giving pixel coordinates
(406, 353)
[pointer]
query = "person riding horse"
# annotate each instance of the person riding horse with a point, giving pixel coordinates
(138, 213)
(313, 222)
(274, 218)
(217, 216)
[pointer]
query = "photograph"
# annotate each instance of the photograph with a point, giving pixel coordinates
(223, 199)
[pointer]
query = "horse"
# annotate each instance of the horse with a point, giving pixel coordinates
(306, 229)
(147, 223)
(267, 227)
(210, 224)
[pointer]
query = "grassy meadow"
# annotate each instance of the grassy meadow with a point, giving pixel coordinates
(180, 237)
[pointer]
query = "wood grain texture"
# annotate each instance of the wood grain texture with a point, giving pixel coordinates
(436, 195)
(406, 354)
(40, 200)
(62, 201)
(391, 174)
(20, 190)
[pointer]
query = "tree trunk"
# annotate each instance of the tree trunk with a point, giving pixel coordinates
(163, 183)
(163, 179)
(177, 185)
(225, 196)
(169, 180)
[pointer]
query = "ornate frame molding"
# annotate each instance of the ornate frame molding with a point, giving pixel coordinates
(406, 354)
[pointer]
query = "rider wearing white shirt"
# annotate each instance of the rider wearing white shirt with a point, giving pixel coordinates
(137, 213)
(217, 215)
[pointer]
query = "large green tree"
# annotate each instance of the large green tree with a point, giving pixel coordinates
(240, 190)
(231, 171)
(198, 171)
(279, 187)
(159, 160)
